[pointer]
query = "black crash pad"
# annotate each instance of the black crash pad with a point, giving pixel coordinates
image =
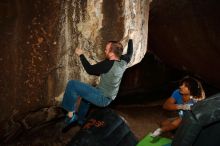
(201, 126)
(104, 128)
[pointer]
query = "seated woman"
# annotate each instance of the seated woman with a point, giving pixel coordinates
(190, 91)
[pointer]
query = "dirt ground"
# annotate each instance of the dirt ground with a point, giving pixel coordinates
(141, 119)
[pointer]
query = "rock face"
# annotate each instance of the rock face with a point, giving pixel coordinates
(185, 35)
(38, 39)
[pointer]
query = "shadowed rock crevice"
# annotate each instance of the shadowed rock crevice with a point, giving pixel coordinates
(185, 36)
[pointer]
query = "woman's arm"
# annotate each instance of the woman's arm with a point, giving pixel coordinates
(170, 104)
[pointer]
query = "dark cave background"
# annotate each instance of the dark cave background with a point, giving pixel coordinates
(183, 39)
(152, 80)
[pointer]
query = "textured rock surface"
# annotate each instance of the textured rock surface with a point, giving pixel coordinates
(95, 23)
(37, 43)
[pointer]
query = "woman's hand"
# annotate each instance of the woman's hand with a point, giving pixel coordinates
(184, 106)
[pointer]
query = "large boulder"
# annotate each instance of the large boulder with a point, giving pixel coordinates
(38, 39)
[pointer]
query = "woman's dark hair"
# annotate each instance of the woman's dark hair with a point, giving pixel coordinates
(116, 48)
(194, 86)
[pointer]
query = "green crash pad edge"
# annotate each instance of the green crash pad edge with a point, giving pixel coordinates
(154, 141)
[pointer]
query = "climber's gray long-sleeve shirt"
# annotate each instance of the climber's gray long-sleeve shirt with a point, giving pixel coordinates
(111, 72)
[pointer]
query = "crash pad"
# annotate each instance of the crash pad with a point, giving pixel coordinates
(154, 141)
(104, 127)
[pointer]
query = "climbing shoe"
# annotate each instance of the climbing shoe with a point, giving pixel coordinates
(71, 120)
